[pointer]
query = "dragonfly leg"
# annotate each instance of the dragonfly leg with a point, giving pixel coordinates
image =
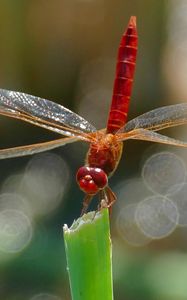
(107, 199)
(111, 198)
(86, 202)
(103, 200)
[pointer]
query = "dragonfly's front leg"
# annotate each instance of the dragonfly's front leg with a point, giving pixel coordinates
(111, 198)
(107, 199)
(86, 203)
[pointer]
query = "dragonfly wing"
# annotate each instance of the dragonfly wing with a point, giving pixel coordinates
(46, 113)
(160, 118)
(35, 148)
(148, 135)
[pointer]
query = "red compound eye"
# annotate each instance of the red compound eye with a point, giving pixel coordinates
(90, 180)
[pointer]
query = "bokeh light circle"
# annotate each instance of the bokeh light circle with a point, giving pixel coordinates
(16, 230)
(163, 170)
(12, 183)
(127, 227)
(157, 216)
(178, 194)
(45, 296)
(130, 191)
(14, 201)
(44, 182)
(94, 92)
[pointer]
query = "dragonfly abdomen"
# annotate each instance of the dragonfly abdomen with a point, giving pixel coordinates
(125, 68)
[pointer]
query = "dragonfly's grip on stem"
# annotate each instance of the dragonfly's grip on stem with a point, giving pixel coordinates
(125, 68)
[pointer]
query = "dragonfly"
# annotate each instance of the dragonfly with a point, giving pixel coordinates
(105, 145)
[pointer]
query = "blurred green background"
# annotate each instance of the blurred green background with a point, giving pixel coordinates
(65, 51)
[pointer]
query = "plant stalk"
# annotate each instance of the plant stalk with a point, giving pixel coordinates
(89, 257)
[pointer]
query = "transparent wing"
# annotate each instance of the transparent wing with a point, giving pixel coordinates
(160, 118)
(35, 148)
(148, 135)
(43, 113)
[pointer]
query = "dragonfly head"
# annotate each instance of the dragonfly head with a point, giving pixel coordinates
(91, 180)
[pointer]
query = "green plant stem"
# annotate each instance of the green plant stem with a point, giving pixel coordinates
(89, 257)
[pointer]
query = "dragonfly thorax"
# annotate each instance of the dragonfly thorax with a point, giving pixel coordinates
(104, 152)
(91, 180)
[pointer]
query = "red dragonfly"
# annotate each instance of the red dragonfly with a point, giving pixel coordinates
(105, 145)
